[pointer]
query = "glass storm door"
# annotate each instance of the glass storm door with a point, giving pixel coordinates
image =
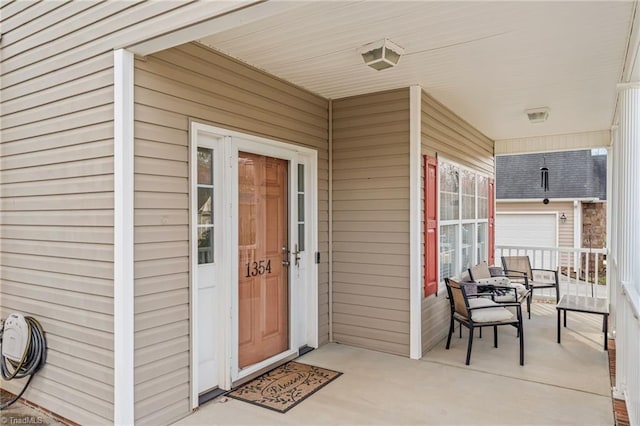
(263, 287)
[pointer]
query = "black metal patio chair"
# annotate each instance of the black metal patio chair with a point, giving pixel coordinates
(519, 267)
(481, 312)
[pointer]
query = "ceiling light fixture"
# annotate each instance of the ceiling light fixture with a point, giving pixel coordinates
(538, 115)
(381, 54)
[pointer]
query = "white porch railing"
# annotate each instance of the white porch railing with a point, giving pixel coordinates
(581, 271)
(627, 385)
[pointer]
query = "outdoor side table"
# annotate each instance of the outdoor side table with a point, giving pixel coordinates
(588, 305)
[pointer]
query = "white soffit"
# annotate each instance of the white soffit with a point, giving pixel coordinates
(209, 18)
(553, 143)
(632, 64)
(487, 61)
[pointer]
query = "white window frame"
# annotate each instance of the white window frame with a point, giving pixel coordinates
(460, 221)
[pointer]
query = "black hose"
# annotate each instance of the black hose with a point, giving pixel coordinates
(34, 357)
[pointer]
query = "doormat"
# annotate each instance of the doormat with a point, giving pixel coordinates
(284, 387)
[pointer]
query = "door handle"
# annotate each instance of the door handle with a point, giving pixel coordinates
(285, 253)
(296, 256)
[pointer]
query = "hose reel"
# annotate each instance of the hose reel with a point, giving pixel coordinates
(24, 350)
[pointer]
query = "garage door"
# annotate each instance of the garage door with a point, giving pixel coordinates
(528, 230)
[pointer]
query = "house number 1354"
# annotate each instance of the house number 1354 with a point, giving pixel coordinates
(260, 267)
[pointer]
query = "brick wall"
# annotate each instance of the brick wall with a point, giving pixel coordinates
(594, 231)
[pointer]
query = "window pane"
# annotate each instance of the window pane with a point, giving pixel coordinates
(468, 194)
(205, 206)
(301, 237)
(300, 207)
(448, 251)
(205, 166)
(300, 177)
(483, 194)
(482, 242)
(467, 246)
(205, 244)
(449, 188)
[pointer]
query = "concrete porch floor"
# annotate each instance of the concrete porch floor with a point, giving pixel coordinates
(559, 384)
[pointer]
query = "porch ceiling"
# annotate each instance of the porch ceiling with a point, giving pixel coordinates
(487, 61)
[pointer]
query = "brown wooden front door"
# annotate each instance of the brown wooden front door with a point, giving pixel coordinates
(263, 279)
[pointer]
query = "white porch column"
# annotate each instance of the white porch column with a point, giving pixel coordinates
(612, 225)
(629, 173)
(415, 218)
(123, 296)
(628, 232)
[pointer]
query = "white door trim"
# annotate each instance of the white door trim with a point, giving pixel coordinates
(232, 143)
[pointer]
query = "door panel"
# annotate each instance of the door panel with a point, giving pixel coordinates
(273, 299)
(263, 279)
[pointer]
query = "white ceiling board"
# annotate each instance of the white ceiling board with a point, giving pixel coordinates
(554, 143)
(487, 61)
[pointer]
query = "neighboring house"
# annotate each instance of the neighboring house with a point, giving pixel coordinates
(574, 214)
(150, 183)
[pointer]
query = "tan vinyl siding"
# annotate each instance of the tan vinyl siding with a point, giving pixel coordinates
(172, 87)
(371, 221)
(565, 230)
(56, 199)
(56, 169)
(435, 321)
(446, 135)
(56, 162)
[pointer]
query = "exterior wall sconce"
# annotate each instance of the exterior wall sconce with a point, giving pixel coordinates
(563, 218)
(381, 54)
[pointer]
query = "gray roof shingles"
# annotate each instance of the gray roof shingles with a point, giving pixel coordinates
(572, 174)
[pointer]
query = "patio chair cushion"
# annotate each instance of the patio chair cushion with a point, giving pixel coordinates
(479, 271)
(481, 274)
(470, 287)
(510, 297)
(498, 313)
(503, 281)
(520, 288)
(494, 281)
